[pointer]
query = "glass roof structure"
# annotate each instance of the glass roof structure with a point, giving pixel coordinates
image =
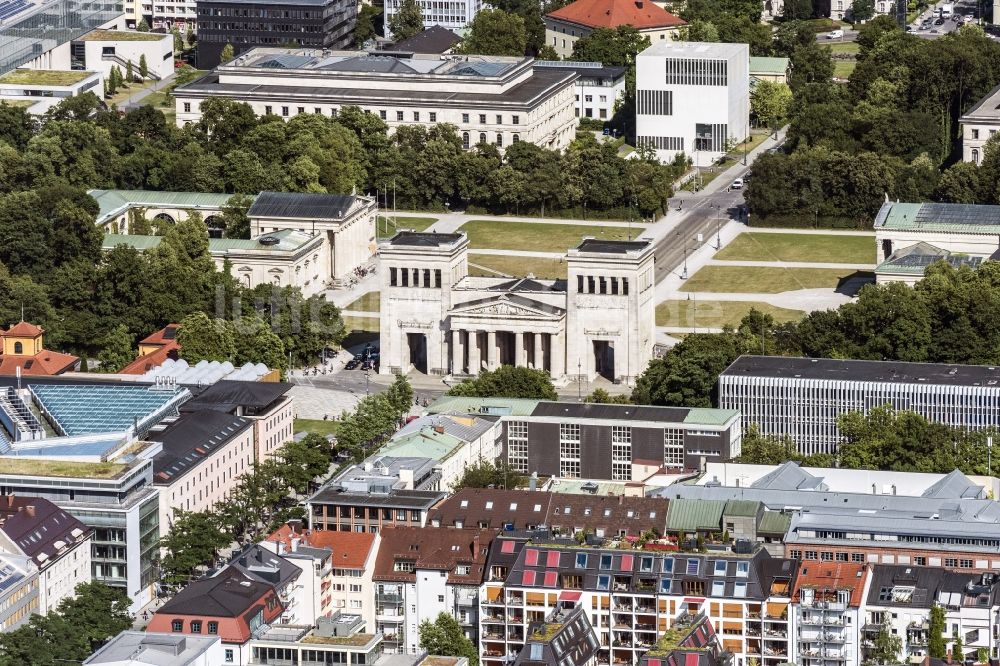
(89, 409)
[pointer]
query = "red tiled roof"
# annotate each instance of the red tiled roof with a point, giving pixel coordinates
(23, 330)
(45, 363)
(166, 335)
(349, 550)
(641, 14)
(144, 364)
(439, 548)
(828, 577)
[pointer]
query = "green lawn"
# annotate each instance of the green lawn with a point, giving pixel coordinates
(716, 314)
(124, 93)
(43, 77)
(516, 266)
(764, 279)
(842, 69)
(386, 227)
(844, 47)
(369, 324)
(370, 302)
(315, 426)
(757, 246)
(537, 236)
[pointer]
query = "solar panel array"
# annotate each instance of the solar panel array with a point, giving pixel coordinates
(83, 410)
(958, 214)
(11, 7)
(924, 260)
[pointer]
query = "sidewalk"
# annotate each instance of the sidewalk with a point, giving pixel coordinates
(134, 100)
(789, 264)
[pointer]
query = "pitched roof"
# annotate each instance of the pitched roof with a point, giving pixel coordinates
(191, 439)
(439, 548)
(261, 564)
(44, 363)
(164, 336)
(827, 578)
(144, 364)
(641, 14)
(693, 515)
(434, 39)
(39, 528)
(23, 329)
(301, 205)
(230, 594)
(348, 550)
(227, 395)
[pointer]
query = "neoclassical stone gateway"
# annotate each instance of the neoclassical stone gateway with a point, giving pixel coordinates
(438, 319)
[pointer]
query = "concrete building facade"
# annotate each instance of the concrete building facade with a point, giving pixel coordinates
(692, 98)
(438, 320)
(100, 50)
(490, 99)
(597, 89)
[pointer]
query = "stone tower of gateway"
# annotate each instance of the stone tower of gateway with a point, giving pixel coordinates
(436, 319)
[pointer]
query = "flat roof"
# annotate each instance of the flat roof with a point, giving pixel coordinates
(404, 499)
(671, 49)
(152, 648)
(35, 467)
(301, 205)
(597, 411)
(591, 70)
(895, 372)
(44, 77)
(384, 62)
(123, 36)
(88, 409)
(611, 246)
(423, 239)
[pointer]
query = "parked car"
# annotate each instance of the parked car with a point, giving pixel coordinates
(737, 184)
(835, 34)
(353, 363)
(939, 21)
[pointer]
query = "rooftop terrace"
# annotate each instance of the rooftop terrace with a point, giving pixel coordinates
(43, 77)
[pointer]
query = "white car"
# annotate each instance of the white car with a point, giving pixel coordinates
(835, 34)
(737, 184)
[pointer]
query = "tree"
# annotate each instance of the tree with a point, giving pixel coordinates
(204, 339)
(143, 26)
(485, 474)
(304, 461)
(957, 648)
(495, 32)
(885, 647)
(613, 47)
(508, 381)
(364, 29)
(600, 396)
(445, 637)
(757, 449)
(254, 342)
(227, 53)
(129, 72)
(143, 67)
(193, 542)
(111, 83)
(862, 10)
(936, 647)
(769, 103)
(178, 40)
(116, 351)
(407, 21)
(400, 394)
(234, 216)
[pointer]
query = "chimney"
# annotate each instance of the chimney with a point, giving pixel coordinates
(281, 548)
(475, 545)
(438, 428)
(295, 544)
(30, 510)
(621, 500)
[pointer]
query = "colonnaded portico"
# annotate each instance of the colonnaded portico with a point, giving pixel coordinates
(438, 319)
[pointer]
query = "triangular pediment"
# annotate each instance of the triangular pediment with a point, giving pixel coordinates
(508, 305)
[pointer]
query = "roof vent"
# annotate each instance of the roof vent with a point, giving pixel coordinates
(268, 240)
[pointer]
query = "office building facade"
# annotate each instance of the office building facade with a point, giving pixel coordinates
(451, 14)
(802, 398)
(692, 98)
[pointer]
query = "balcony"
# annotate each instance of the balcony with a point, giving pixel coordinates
(775, 633)
(516, 599)
(388, 598)
(494, 619)
(493, 635)
(516, 618)
(823, 604)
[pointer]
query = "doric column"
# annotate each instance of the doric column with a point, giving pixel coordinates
(475, 364)
(519, 349)
(557, 355)
(539, 353)
(491, 350)
(456, 352)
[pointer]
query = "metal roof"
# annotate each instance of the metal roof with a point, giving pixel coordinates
(114, 202)
(301, 205)
(497, 406)
(744, 508)
(762, 65)
(693, 515)
(949, 217)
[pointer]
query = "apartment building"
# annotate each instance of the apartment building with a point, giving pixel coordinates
(633, 597)
(422, 572)
(902, 596)
(569, 515)
(614, 442)
(295, 590)
(57, 544)
(827, 602)
(18, 590)
(342, 562)
(339, 639)
(379, 492)
(490, 99)
(597, 89)
(247, 24)
(453, 15)
(802, 398)
(138, 648)
(692, 98)
(266, 405)
(946, 521)
(204, 455)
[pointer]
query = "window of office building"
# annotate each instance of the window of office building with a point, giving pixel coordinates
(673, 447)
(569, 450)
(621, 453)
(517, 446)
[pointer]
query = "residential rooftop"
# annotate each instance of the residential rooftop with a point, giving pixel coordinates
(140, 647)
(894, 372)
(44, 77)
(766, 66)
(122, 36)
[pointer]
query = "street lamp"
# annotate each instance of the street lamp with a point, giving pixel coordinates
(718, 226)
(684, 274)
(579, 380)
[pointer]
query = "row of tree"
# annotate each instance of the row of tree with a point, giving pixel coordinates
(947, 317)
(375, 418)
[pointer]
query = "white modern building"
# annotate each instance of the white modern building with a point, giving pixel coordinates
(140, 648)
(41, 89)
(451, 14)
(437, 319)
(911, 236)
(490, 99)
(597, 89)
(692, 98)
(801, 398)
(100, 50)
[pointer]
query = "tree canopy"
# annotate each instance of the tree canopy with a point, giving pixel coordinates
(445, 637)
(495, 32)
(407, 21)
(508, 381)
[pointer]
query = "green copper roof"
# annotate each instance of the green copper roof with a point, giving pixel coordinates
(690, 515)
(947, 217)
(115, 202)
(423, 444)
(140, 243)
(760, 65)
(744, 508)
(706, 416)
(288, 241)
(774, 522)
(497, 406)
